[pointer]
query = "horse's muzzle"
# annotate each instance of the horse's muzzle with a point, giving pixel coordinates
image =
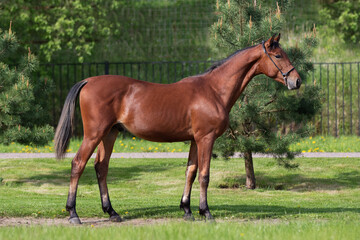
(293, 84)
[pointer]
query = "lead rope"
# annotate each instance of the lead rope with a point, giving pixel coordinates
(283, 74)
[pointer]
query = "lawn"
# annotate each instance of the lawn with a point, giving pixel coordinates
(261, 230)
(133, 144)
(327, 144)
(321, 198)
(122, 144)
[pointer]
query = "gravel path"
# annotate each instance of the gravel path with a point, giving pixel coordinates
(174, 155)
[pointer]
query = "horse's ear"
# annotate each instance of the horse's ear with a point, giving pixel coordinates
(277, 39)
(269, 43)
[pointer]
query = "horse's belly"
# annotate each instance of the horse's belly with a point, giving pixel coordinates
(160, 133)
(157, 113)
(165, 126)
(161, 137)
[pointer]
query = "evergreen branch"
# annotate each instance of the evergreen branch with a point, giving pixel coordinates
(232, 133)
(271, 101)
(256, 84)
(229, 42)
(273, 111)
(258, 40)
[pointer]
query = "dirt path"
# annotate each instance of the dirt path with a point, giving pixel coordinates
(102, 222)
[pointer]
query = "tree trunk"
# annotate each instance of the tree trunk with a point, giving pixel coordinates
(249, 168)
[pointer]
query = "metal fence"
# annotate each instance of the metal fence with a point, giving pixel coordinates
(340, 83)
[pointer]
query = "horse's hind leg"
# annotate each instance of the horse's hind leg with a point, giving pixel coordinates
(77, 167)
(190, 174)
(101, 167)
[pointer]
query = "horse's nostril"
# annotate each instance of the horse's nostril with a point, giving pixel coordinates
(298, 83)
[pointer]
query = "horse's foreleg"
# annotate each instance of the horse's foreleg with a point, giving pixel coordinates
(190, 175)
(101, 167)
(204, 146)
(77, 168)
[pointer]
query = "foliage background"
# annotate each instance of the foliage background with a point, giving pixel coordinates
(23, 105)
(143, 30)
(68, 31)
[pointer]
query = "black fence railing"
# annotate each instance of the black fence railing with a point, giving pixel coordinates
(340, 84)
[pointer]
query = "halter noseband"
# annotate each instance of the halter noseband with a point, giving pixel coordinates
(283, 74)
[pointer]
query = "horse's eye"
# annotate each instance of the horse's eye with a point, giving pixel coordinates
(278, 56)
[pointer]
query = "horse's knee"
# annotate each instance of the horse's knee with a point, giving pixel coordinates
(204, 180)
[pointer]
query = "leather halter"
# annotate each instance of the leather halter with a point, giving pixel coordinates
(283, 74)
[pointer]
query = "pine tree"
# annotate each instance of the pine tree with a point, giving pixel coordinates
(21, 114)
(268, 117)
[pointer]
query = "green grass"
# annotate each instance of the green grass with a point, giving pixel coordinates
(128, 144)
(328, 144)
(319, 200)
(122, 144)
(259, 230)
(151, 188)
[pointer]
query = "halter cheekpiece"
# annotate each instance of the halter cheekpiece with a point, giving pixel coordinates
(283, 74)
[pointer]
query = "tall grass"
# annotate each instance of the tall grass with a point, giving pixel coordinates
(293, 230)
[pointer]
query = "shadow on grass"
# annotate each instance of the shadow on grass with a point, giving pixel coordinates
(246, 211)
(290, 181)
(116, 174)
(297, 182)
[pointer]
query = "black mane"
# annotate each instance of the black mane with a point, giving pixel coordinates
(221, 62)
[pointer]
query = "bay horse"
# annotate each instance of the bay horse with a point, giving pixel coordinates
(196, 108)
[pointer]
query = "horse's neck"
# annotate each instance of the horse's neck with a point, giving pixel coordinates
(230, 79)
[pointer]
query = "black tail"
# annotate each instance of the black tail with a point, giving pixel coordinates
(66, 122)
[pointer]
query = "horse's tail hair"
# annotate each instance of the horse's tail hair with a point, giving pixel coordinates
(66, 122)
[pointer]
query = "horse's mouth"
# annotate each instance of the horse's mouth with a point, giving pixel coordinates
(294, 84)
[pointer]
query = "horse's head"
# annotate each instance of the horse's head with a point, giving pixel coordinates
(275, 63)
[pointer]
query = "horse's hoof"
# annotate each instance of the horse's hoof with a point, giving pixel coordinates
(115, 218)
(188, 217)
(210, 219)
(74, 220)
